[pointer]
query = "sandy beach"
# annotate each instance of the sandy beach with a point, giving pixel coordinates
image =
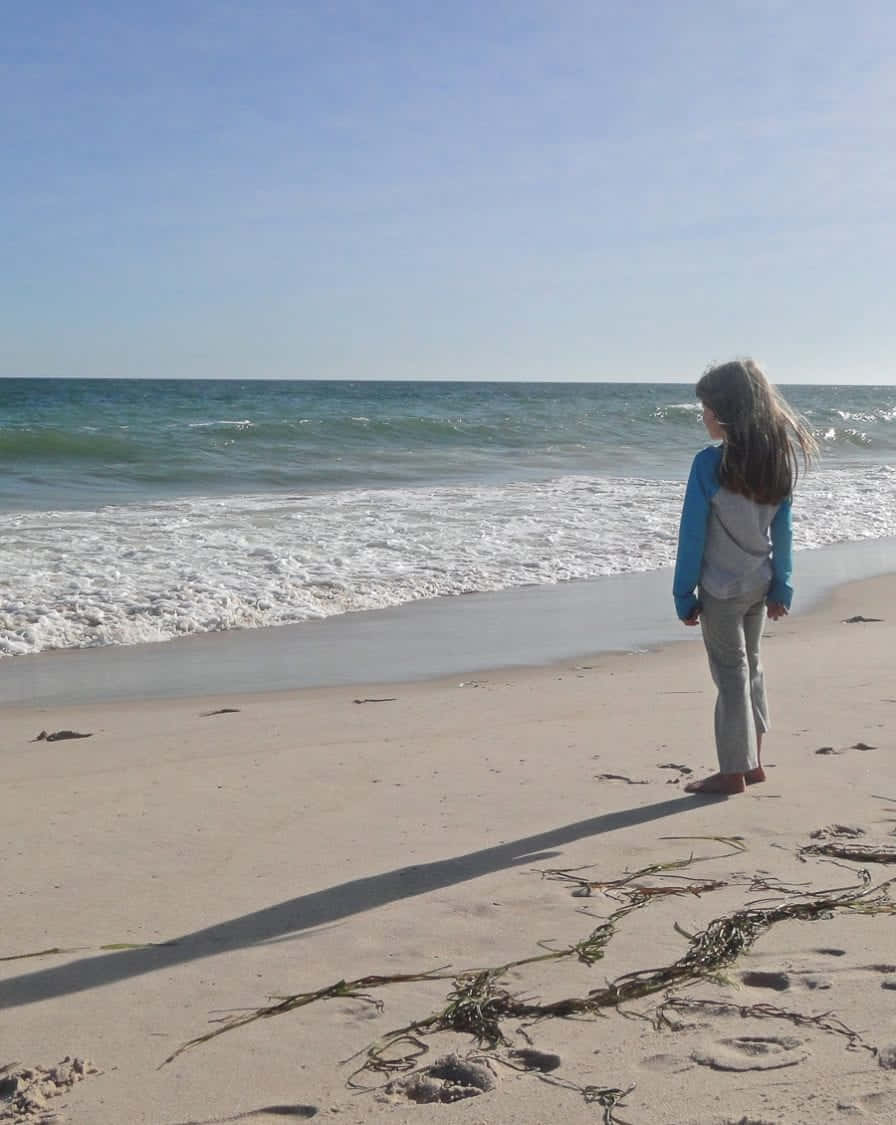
(198, 859)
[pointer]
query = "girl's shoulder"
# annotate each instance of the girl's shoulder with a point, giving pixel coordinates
(705, 470)
(707, 461)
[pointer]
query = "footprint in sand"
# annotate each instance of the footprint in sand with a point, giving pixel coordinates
(815, 982)
(780, 981)
(886, 1056)
(759, 978)
(362, 1014)
(759, 1052)
(449, 1079)
(870, 1103)
(751, 1121)
(529, 1058)
(26, 1090)
(666, 1064)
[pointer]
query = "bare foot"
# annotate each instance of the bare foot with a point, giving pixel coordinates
(721, 784)
(751, 777)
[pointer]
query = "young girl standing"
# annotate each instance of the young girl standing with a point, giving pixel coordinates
(734, 552)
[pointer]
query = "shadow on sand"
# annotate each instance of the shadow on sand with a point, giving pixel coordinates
(319, 908)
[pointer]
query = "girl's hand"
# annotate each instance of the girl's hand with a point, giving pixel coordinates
(693, 619)
(776, 610)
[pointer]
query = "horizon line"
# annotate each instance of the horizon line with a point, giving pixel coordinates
(386, 379)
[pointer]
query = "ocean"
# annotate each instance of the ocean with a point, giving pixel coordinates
(145, 510)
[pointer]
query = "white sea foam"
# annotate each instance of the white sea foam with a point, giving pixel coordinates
(123, 575)
(683, 408)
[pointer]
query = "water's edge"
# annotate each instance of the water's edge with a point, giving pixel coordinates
(425, 640)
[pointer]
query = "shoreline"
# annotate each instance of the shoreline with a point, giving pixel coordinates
(424, 640)
(842, 603)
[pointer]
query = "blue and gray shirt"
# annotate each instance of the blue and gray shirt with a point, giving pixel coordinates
(727, 543)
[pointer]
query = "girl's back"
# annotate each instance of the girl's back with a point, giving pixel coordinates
(736, 557)
(736, 523)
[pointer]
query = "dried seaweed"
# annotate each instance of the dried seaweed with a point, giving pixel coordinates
(726, 938)
(476, 1007)
(848, 831)
(861, 853)
(478, 1003)
(298, 1110)
(635, 891)
(341, 989)
(608, 1097)
(735, 844)
(111, 947)
(378, 1059)
(712, 950)
(618, 777)
(824, 1021)
(631, 887)
(762, 881)
(60, 735)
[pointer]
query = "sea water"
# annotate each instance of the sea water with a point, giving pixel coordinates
(145, 510)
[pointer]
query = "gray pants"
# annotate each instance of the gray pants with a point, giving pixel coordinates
(732, 628)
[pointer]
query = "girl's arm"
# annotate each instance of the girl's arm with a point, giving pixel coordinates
(702, 484)
(781, 591)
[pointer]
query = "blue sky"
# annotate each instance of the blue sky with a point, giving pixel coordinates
(525, 190)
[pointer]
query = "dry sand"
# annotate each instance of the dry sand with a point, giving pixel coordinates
(306, 838)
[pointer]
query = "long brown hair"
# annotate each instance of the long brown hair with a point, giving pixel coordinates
(764, 436)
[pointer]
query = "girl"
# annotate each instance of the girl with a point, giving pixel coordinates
(734, 548)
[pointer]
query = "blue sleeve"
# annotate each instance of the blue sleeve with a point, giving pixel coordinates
(781, 590)
(703, 483)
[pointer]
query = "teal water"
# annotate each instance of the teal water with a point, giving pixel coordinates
(73, 442)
